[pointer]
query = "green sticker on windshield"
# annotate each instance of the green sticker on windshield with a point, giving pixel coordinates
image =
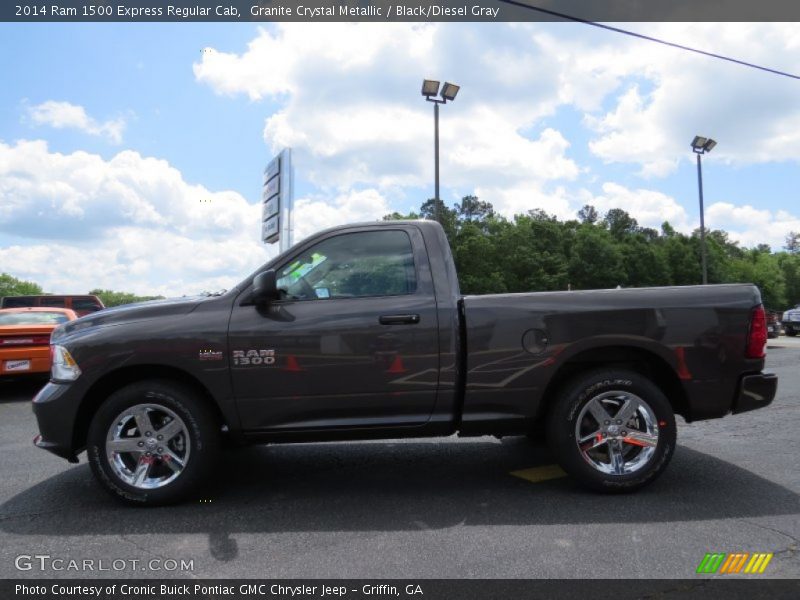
(299, 270)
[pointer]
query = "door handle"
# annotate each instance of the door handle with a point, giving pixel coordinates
(398, 319)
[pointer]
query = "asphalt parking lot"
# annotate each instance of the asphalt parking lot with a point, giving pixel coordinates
(420, 509)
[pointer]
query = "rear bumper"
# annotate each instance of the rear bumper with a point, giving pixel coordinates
(38, 360)
(755, 391)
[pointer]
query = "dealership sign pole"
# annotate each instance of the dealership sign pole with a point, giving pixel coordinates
(277, 197)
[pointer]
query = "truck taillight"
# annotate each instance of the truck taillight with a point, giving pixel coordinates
(757, 337)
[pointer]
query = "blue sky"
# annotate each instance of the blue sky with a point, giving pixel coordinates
(130, 158)
(143, 73)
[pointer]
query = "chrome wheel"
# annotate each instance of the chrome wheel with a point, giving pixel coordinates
(617, 433)
(147, 446)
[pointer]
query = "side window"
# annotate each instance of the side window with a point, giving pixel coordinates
(12, 302)
(84, 304)
(53, 301)
(352, 265)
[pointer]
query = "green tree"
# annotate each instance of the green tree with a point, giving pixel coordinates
(588, 214)
(620, 223)
(11, 286)
(470, 208)
(476, 258)
(790, 267)
(793, 242)
(112, 298)
(763, 270)
(644, 262)
(531, 253)
(536, 251)
(596, 261)
(447, 217)
(683, 258)
(396, 216)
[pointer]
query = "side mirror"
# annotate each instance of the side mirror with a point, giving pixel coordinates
(265, 287)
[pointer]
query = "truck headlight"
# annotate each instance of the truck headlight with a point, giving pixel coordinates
(62, 366)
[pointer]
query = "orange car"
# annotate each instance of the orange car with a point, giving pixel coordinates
(25, 338)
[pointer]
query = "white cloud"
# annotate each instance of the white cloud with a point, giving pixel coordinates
(751, 226)
(755, 116)
(129, 223)
(348, 102)
(649, 207)
(281, 63)
(350, 108)
(631, 134)
(64, 115)
(346, 98)
(312, 215)
(346, 94)
(527, 196)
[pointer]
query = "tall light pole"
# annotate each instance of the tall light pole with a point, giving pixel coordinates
(430, 89)
(700, 146)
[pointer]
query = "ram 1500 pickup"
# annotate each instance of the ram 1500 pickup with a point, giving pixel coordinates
(361, 332)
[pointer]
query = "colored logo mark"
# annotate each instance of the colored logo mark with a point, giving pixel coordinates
(736, 562)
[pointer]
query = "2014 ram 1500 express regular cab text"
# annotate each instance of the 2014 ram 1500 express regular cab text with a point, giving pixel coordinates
(360, 332)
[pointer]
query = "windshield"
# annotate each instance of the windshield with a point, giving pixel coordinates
(33, 318)
(352, 265)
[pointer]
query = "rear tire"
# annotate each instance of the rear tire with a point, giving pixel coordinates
(152, 443)
(791, 332)
(612, 430)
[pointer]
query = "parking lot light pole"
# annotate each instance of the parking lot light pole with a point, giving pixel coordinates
(430, 89)
(700, 146)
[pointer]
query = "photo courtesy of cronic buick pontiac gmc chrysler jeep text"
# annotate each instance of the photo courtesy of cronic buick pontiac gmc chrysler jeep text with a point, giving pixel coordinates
(360, 332)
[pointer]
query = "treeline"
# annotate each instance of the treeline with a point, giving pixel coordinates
(537, 252)
(11, 286)
(112, 298)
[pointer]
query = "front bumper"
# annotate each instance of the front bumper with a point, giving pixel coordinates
(755, 391)
(56, 409)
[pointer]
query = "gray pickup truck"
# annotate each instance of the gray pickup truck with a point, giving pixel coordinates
(360, 332)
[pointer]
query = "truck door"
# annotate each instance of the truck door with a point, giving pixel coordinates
(355, 323)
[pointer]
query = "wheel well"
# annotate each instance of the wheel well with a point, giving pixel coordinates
(652, 366)
(115, 380)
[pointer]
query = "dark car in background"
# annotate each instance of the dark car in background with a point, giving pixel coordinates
(773, 323)
(82, 305)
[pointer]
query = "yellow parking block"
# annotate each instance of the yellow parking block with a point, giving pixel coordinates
(537, 474)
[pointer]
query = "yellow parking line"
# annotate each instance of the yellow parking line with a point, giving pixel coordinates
(537, 474)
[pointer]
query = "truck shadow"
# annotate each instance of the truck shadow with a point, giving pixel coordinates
(388, 486)
(21, 389)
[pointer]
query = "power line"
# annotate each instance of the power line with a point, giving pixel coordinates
(648, 38)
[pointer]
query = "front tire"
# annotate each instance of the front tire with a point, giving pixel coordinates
(152, 443)
(612, 430)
